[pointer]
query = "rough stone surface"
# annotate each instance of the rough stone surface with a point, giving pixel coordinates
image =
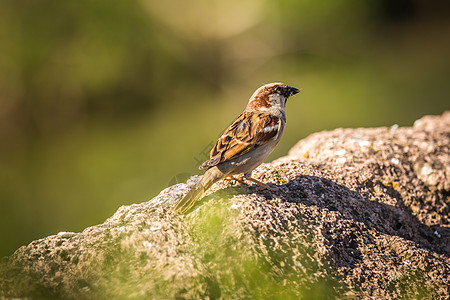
(361, 213)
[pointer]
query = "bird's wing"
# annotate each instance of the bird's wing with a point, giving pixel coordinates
(249, 131)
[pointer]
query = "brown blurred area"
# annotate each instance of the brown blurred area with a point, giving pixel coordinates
(104, 103)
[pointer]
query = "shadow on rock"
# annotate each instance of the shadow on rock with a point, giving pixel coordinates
(353, 220)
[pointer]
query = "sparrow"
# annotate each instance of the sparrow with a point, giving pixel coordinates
(246, 143)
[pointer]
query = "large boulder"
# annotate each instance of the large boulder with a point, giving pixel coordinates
(359, 213)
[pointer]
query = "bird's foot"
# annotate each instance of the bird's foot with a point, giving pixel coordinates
(239, 178)
(263, 185)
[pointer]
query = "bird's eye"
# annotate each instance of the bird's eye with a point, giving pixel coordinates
(278, 90)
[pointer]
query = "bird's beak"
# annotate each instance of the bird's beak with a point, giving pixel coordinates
(293, 91)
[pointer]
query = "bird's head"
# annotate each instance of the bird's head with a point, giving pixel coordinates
(271, 95)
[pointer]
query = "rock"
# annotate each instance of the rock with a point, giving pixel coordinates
(360, 213)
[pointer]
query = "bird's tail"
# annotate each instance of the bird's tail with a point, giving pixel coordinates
(208, 179)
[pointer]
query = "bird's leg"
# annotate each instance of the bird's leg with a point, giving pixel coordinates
(261, 184)
(239, 178)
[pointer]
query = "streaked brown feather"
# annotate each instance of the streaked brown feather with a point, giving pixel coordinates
(249, 131)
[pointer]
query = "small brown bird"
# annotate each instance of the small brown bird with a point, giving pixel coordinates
(246, 143)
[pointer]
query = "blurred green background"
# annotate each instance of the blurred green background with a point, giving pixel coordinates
(105, 102)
